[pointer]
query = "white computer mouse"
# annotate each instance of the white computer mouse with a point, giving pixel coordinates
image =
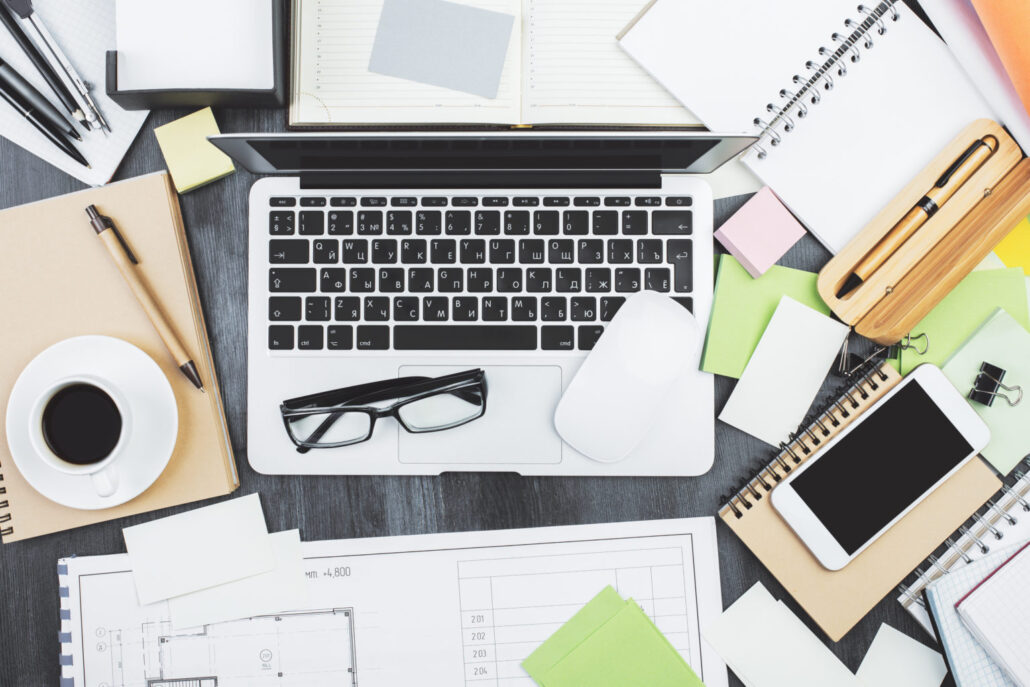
(615, 396)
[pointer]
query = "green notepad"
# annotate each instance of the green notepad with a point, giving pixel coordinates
(961, 312)
(609, 643)
(1004, 342)
(742, 308)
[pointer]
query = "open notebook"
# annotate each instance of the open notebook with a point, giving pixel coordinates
(850, 105)
(563, 66)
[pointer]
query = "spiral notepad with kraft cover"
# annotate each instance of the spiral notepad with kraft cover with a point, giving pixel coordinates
(837, 600)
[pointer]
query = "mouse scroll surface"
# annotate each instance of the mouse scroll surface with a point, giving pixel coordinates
(617, 392)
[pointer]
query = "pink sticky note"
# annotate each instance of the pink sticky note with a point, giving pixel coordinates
(760, 232)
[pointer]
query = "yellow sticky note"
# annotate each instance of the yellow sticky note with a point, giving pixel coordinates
(192, 160)
(1014, 249)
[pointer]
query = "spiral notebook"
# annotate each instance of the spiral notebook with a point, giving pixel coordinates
(836, 600)
(1003, 521)
(850, 101)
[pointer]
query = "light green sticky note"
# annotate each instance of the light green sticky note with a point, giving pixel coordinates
(1001, 341)
(585, 622)
(961, 312)
(192, 160)
(609, 643)
(742, 308)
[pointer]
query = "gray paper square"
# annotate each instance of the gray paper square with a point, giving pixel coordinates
(442, 44)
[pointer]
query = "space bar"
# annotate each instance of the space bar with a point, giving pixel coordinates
(464, 337)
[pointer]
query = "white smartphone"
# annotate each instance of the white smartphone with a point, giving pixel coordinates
(876, 470)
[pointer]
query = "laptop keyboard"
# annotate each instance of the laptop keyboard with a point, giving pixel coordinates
(467, 272)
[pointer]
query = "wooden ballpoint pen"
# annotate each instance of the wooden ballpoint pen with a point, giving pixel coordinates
(952, 180)
(119, 251)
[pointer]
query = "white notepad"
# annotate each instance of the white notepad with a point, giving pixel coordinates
(894, 110)
(84, 29)
(997, 612)
(784, 373)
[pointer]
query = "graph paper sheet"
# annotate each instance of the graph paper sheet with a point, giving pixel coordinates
(441, 610)
(970, 664)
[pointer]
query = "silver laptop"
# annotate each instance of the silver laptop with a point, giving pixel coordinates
(383, 255)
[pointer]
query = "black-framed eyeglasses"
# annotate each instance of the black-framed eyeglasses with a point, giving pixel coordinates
(346, 416)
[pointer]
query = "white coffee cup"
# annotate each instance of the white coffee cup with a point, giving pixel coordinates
(103, 473)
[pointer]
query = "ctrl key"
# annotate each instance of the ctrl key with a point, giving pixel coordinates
(280, 337)
(373, 338)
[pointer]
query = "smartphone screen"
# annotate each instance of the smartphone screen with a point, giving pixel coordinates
(881, 467)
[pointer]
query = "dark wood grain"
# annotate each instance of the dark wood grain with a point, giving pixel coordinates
(337, 507)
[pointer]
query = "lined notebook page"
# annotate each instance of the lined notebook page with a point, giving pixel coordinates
(84, 29)
(333, 85)
(574, 71)
(998, 613)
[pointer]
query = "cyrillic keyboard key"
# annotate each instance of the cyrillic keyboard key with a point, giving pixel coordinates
(362, 279)
(627, 279)
(554, 309)
(450, 280)
(312, 202)
(464, 337)
(373, 338)
(325, 251)
(435, 309)
(584, 308)
(588, 336)
(312, 223)
(370, 222)
(649, 251)
(280, 337)
(465, 309)
(391, 279)
(405, 309)
(555, 338)
(443, 251)
(568, 280)
(495, 308)
(384, 251)
(545, 222)
(421, 279)
(620, 251)
(488, 222)
(599, 279)
(377, 308)
(531, 251)
(355, 251)
(523, 309)
(284, 308)
(288, 251)
(427, 222)
(283, 202)
(473, 251)
(560, 251)
(657, 279)
(509, 279)
(516, 222)
(292, 279)
(334, 279)
(340, 337)
(591, 251)
(309, 337)
(671, 222)
(346, 309)
(502, 251)
(538, 280)
(459, 222)
(480, 279)
(398, 222)
(414, 251)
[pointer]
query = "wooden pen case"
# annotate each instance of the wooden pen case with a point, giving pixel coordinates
(942, 251)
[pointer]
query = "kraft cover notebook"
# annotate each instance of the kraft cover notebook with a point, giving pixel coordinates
(67, 286)
(836, 600)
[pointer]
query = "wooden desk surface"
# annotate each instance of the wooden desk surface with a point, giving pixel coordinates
(340, 507)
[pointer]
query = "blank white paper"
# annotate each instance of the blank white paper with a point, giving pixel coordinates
(199, 549)
(195, 44)
(280, 589)
(785, 372)
(766, 645)
(896, 660)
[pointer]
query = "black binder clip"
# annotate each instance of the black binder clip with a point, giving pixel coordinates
(987, 384)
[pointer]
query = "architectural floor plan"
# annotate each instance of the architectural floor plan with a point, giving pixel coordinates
(442, 610)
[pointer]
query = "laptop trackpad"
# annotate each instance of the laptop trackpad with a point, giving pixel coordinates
(518, 427)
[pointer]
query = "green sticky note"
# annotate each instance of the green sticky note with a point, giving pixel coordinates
(742, 308)
(970, 303)
(192, 160)
(1004, 342)
(609, 643)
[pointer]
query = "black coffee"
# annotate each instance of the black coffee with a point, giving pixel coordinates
(81, 424)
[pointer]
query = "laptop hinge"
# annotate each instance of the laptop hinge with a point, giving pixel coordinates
(484, 179)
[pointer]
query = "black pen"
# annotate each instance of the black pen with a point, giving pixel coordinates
(43, 67)
(20, 94)
(38, 102)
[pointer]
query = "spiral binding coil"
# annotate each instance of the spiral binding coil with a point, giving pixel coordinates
(980, 531)
(820, 75)
(762, 477)
(5, 517)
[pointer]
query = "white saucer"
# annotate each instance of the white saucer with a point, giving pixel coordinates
(155, 418)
